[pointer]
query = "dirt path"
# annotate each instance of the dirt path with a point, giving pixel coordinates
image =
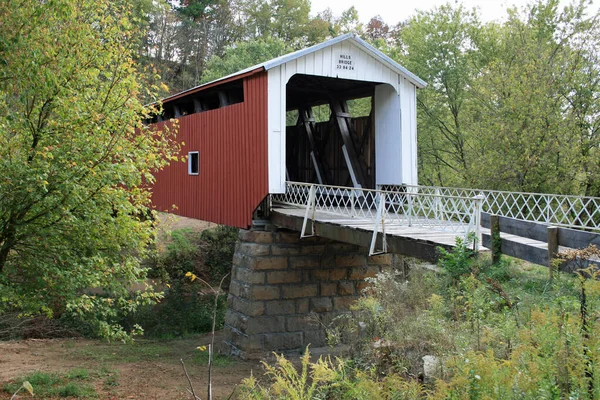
(144, 370)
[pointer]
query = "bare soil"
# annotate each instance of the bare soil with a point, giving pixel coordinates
(143, 370)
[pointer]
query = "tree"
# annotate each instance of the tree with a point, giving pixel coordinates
(242, 55)
(74, 160)
(440, 46)
(538, 100)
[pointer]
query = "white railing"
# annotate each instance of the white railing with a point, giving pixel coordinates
(410, 208)
(569, 211)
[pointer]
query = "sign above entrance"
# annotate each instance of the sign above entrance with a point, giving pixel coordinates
(345, 62)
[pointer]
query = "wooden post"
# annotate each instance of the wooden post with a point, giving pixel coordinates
(552, 249)
(495, 241)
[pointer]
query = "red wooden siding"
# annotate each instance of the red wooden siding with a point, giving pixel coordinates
(233, 177)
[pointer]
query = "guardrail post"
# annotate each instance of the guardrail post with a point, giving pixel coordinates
(379, 218)
(352, 203)
(477, 218)
(310, 205)
(409, 211)
(437, 205)
(495, 240)
(552, 249)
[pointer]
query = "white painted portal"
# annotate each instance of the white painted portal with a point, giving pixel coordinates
(395, 109)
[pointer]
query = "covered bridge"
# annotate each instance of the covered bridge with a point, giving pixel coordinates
(248, 133)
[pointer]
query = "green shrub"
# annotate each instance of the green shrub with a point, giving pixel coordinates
(218, 247)
(459, 261)
(181, 254)
(183, 311)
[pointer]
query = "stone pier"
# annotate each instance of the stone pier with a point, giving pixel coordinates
(284, 290)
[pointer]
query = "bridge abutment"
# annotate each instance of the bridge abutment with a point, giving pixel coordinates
(284, 290)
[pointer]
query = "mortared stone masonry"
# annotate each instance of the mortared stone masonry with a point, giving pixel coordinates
(284, 290)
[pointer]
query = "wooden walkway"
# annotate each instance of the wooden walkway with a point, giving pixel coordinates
(421, 242)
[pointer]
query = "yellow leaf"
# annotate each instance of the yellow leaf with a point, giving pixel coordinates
(201, 348)
(188, 274)
(27, 386)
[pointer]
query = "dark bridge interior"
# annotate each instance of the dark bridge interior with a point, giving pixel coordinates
(330, 131)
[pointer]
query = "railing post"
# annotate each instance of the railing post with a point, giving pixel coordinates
(309, 205)
(437, 204)
(552, 249)
(477, 219)
(379, 218)
(409, 211)
(352, 203)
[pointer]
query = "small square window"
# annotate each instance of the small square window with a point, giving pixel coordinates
(193, 163)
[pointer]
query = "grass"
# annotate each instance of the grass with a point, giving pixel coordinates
(151, 350)
(51, 385)
(141, 350)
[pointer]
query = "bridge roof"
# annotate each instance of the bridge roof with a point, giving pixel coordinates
(267, 65)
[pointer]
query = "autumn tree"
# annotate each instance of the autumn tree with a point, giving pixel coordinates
(74, 160)
(538, 102)
(438, 45)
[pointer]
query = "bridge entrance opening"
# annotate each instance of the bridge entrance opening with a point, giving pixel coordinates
(330, 130)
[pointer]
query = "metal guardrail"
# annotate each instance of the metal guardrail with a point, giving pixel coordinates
(569, 211)
(410, 208)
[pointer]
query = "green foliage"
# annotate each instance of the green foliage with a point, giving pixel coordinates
(183, 311)
(509, 105)
(74, 161)
(218, 249)
(457, 262)
(243, 55)
(525, 337)
(51, 385)
(181, 254)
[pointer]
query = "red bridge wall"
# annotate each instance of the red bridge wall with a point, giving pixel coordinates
(233, 170)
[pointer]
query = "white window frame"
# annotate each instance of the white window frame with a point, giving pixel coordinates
(190, 163)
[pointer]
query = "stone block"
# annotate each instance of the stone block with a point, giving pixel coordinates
(361, 287)
(316, 338)
(289, 276)
(246, 307)
(351, 260)
(301, 323)
(342, 248)
(236, 320)
(328, 288)
(320, 304)
(265, 324)
(287, 237)
(239, 259)
(297, 291)
(255, 249)
(343, 303)
(249, 276)
(338, 274)
(247, 343)
(302, 306)
(380, 259)
(319, 275)
(280, 307)
(304, 262)
(315, 249)
(283, 341)
(327, 261)
(239, 289)
(360, 273)
(267, 263)
(264, 292)
(345, 288)
(255, 236)
(285, 250)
